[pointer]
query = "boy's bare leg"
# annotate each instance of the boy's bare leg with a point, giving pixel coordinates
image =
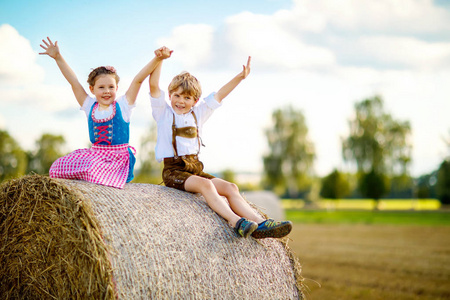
(237, 203)
(196, 184)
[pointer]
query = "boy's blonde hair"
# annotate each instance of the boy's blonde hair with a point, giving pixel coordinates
(189, 84)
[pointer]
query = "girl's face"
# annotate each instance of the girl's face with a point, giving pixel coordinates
(104, 90)
(181, 103)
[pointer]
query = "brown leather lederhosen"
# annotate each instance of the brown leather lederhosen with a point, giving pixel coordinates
(179, 168)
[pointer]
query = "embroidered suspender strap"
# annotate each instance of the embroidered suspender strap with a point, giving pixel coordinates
(187, 132)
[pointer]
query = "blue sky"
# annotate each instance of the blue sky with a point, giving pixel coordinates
(320, 56)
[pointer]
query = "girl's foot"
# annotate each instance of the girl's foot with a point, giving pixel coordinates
(245, 227)
(271, 229)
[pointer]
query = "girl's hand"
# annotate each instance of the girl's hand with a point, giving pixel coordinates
(246, 69)
(51, 49)
(163, 52)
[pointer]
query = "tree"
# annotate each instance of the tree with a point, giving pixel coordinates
(48, 149)
(443, 178)
(229, 175)
(288, 166)
(149, 170)
(426, 185)
(335, 186)
(13, 161)
(373, 185)
(443, 182)
(402, 186)
(379, 145)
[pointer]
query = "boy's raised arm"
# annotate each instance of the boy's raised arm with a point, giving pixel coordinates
(160, 54)
(52, 50)
(155, 91)
(227, 88)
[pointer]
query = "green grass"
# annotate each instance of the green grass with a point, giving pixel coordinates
(430, 218)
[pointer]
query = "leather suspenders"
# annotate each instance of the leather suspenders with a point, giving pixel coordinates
(186, 132)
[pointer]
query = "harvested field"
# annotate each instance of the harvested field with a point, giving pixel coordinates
(374, 261)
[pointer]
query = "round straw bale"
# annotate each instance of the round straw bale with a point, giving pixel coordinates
(51, 246)
(63, 239)
(268, 202)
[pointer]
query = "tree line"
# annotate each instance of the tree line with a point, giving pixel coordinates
(378, 148)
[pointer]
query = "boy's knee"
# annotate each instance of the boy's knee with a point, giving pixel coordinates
(207, 184)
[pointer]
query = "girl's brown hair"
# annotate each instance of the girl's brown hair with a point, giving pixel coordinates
(108, 70)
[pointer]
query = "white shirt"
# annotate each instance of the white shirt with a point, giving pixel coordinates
(163, 114)
(103, 114)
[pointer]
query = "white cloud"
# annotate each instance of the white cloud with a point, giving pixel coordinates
(405, 52)
(192, 43)
(322, 35)
(265, 38)
(407, 16)
(46, 97)
(380, 34)
(17, 58)
(21, 77)
(262, 37)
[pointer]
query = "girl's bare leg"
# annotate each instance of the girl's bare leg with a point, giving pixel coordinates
(237, 203)
(196, 184)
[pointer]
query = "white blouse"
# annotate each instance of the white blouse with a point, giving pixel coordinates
(104, 114)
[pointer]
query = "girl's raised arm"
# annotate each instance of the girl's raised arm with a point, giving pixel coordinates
(52, 50)
(160, 54)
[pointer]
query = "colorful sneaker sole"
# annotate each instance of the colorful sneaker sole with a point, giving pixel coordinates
(275, 232)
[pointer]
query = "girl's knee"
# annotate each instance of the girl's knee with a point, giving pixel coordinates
(230, 188)
(234, 187)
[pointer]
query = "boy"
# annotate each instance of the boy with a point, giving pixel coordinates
(178, 144)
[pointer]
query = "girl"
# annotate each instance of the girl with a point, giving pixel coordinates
(179, 126)
(110, 160)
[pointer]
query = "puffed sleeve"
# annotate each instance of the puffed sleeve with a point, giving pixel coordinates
(87, 104)
(159, 105)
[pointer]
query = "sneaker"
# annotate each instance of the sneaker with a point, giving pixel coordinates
(245, 227)
(272, 229)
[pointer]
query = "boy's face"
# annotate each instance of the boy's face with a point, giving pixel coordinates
(181, 103)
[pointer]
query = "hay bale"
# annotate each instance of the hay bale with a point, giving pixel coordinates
(76, 240)
(267, 202)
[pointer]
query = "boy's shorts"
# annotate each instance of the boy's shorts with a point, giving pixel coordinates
(177, 170)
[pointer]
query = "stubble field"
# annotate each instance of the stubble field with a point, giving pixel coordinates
(360, 261)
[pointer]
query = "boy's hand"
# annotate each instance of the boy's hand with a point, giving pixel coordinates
(163, 52)
(51, 49)
(246, 69)
(227, 88)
